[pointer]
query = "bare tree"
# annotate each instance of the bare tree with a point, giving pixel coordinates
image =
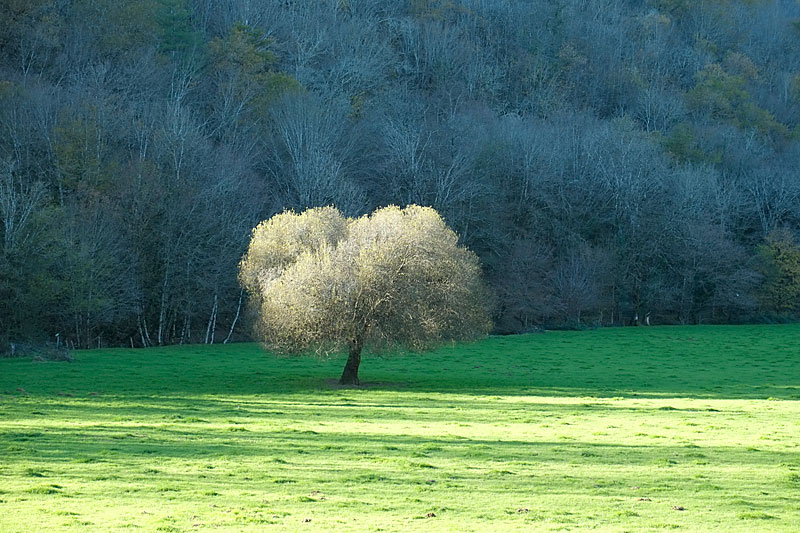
(525, 287)
(18, 203)
(579, 282)
(311, 149)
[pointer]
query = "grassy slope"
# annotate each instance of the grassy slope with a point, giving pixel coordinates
(608, 429)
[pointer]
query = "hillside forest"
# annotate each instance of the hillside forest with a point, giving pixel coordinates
(610, 161)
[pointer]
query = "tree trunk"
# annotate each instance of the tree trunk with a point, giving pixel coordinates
(184, 329)
(350, 373)
(212, 323)
(233, 325)
(162, 314)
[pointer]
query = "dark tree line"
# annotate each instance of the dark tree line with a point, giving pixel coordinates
(606, 160)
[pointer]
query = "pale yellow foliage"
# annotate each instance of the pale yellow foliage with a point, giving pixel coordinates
(395, 278)
(278, 242)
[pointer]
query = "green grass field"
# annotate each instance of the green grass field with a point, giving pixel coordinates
(636, 429)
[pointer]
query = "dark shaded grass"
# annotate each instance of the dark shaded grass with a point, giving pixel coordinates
(697, 362)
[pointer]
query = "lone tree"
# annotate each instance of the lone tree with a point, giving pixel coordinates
(394, 279)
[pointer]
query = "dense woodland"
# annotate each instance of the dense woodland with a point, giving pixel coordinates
(606, 159)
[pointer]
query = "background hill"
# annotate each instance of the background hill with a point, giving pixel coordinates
(605, 159)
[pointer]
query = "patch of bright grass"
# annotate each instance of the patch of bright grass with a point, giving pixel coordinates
(637, 429)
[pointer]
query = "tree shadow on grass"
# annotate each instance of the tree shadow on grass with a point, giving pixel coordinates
(292, 447)
(386, 407)
(206, 425)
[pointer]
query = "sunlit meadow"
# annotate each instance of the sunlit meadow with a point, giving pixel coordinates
(634, 429)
